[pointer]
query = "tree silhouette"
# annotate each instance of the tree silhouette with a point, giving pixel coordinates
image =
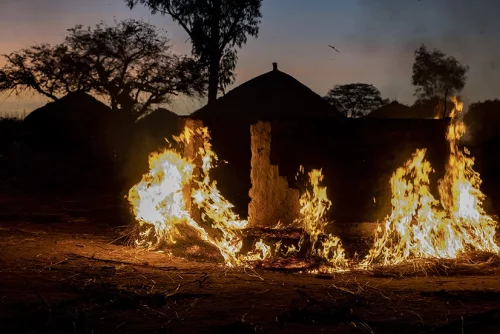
(356, 99)
(129, 64)
(436, 75)
(49, 70)
(216, 28)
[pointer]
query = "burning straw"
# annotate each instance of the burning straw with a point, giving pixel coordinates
(421, 226)
(177, 200)
(164, 199)
(160, 204)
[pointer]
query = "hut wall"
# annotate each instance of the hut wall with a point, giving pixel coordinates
(190, 152)
(271, 199)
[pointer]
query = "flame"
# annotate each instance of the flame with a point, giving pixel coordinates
(460, 191)
(260, 252)
(420, 226)
(159, 203)
(157, 200)
(315, 204)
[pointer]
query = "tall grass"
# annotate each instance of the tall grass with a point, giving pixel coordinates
(20, 115)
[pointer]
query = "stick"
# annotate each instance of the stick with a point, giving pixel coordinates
(124, 262)
(349, 292)
(54, 264)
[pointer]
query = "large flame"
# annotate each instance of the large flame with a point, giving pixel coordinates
(460, 194)
(314, 206)
(160, 204)
(418, 227)
(159, 201)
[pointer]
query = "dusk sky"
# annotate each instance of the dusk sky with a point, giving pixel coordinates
(376, 39)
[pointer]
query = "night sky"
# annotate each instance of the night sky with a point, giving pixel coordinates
(376, 39)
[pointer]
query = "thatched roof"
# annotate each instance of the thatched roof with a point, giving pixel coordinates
(392, 110)
(272, 95)
(75, 115)
(78, 105)
(421, 109)
(158, 122)
(153, 129)
(80, 121)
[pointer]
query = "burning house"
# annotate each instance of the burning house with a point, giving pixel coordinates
(267, 210)
(357, 156)
(178, 191)
(274, 95)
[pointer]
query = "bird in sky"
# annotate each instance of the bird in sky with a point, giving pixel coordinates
(334, 48)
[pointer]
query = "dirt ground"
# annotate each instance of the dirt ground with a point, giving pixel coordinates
(62, 270)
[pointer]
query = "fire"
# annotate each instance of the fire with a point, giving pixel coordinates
(460, 193)
(421, 226)
(159, 201)
(164, 199)
(178, 192)
(314, 207)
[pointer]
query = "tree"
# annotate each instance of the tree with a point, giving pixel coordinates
(216, 28)
(129, 64)
(436, 75)
(356, 99)
(49, 70)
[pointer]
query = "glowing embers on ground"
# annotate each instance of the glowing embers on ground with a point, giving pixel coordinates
(421, 226)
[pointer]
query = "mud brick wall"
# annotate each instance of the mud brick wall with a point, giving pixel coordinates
(271, 199)
(191, 150)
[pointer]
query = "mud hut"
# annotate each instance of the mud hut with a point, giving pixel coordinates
(150, 134)
(392, 110)
(152, 129)
(275, 96)
(76, 139)
(76, 117)
(483, 121)
(483, 139)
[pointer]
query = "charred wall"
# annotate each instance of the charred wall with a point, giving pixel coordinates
(272, 200)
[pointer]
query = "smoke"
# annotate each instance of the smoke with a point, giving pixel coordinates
(465, 29)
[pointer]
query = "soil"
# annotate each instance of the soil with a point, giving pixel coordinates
(64, 269)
